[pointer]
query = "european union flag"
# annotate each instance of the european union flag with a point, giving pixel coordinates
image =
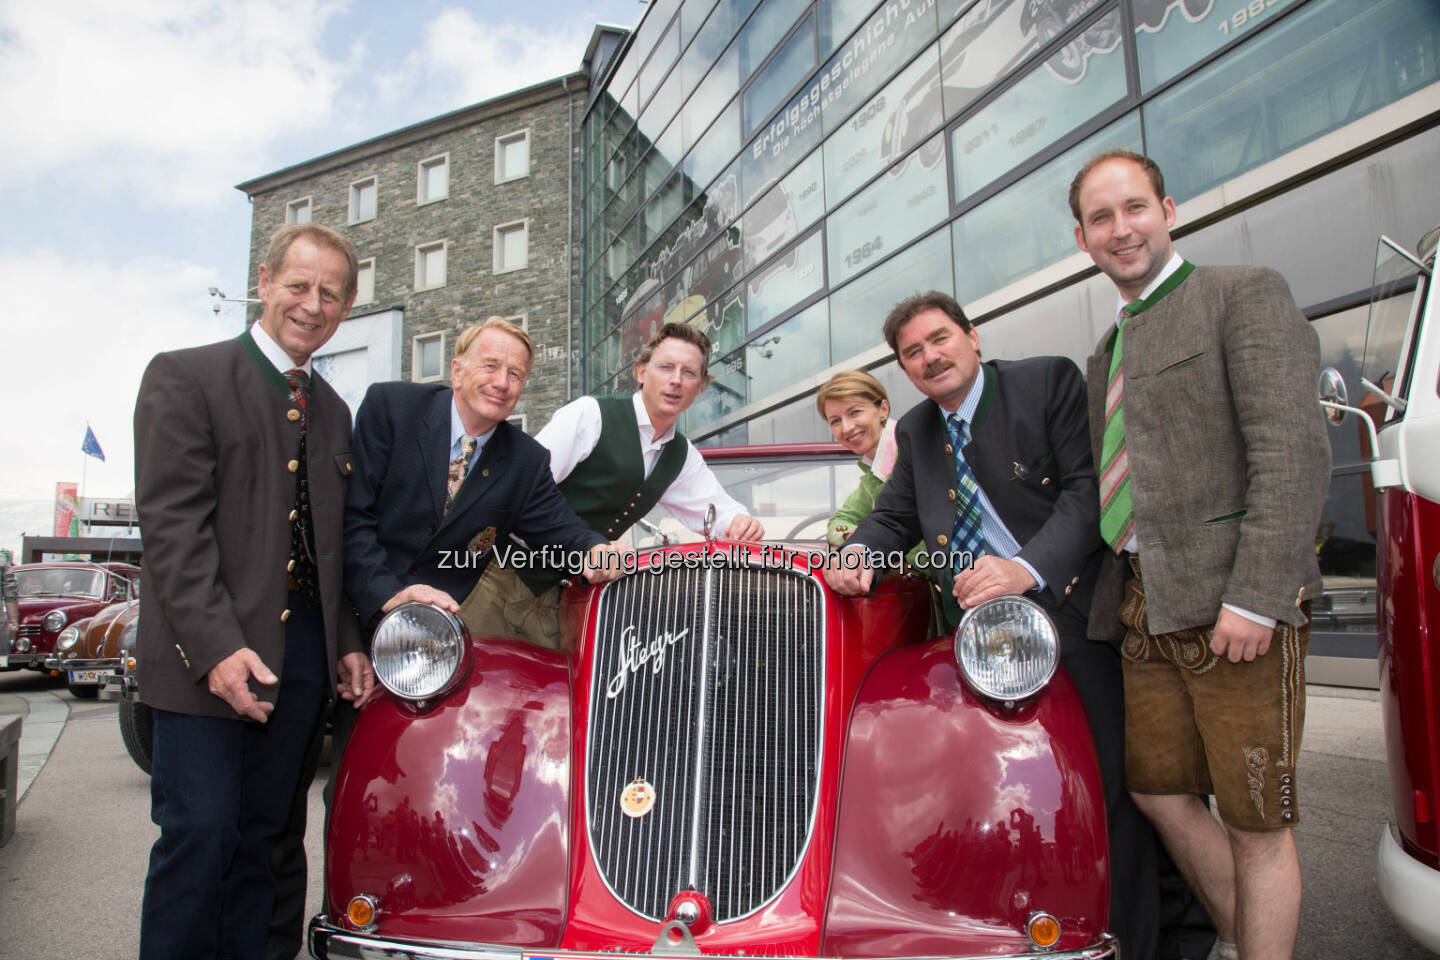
(91, 446)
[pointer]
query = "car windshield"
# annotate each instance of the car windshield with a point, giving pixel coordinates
(1394, 328)
(793, 497)
(61, 581)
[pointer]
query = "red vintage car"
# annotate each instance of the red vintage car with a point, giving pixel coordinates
(1400, 380)
(55, 595)
(727, 759)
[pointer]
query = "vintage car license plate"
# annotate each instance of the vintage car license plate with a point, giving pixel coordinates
(90, 676)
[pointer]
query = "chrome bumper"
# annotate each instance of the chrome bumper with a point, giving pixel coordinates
(119, 686)
(1410, 889)
(327, 941)
(91, 663)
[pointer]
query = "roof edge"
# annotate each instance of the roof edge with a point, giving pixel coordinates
(473, 113)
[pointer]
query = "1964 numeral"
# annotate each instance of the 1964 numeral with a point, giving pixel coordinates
(864, 252)
(1245, 14)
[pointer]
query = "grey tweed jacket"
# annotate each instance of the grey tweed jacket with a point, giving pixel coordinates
(1229, 458)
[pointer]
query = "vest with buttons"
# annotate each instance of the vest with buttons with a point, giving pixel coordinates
(609, 489)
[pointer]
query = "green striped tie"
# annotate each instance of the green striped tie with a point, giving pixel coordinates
(1117, 512)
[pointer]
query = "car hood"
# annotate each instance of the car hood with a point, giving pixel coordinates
(33, 609)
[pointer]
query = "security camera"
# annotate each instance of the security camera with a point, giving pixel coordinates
(214, 291)
(216, 308)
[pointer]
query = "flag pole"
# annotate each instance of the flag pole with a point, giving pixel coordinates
(84, 467)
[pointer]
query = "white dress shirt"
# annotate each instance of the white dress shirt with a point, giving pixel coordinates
(574, 430)
(276, 354)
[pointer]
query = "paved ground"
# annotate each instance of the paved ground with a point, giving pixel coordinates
(70, 880)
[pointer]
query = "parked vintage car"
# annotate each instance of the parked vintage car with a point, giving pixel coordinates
(89, 651)
(55, 595)
(1399, 382)
(728, 759)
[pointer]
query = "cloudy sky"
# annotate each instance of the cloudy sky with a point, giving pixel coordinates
(124, 128)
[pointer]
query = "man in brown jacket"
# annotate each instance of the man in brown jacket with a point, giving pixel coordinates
(1214, 465)
(241, 459)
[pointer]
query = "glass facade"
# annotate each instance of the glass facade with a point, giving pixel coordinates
(779, 172)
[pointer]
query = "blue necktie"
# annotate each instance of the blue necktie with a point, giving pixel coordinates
(968, 535)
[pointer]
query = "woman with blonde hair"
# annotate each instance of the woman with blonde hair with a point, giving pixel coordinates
(857, 409)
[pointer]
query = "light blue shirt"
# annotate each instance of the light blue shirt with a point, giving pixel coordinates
(457, 434)
(998, 538)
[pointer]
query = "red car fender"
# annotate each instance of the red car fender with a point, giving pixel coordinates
(462, 811)
(959, 818)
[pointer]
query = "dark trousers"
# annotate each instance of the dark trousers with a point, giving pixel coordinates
(287, 921)
(1152, 910)
(287, 859)
(221, 791)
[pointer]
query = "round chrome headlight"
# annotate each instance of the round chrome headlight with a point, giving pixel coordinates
(67, 639)
(53, 621)
(128, 636)
(1007, 648)
(419, 650)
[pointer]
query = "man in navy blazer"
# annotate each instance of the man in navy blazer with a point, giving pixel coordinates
(440, 477)
(1026, 441)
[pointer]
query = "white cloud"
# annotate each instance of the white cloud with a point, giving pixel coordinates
(174, 96)
(78, 336)
(462, 60)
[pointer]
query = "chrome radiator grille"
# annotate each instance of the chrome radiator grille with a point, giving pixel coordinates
(707, 686)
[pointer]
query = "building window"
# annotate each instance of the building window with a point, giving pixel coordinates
(365, 282)
(511, 246)
(517, 421)
(519, 321)
(427, 357)
(430, 265)
(432, 180)
(362, 200)
(512, 156)
(298, 211)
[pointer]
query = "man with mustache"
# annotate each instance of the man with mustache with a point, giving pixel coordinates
(995, 469)
(615, 458)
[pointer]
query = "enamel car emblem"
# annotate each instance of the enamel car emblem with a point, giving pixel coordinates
(482, 541)
(637, 798)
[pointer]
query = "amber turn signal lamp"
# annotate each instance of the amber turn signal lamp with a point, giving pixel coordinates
(361, 911)
(1044, 930)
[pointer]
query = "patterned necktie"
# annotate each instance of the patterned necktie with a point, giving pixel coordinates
(299, 389)
(458, 468)
(1117, 513)
(303, 575)
(968, 534)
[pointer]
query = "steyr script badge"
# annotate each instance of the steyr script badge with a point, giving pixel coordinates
(638, 797)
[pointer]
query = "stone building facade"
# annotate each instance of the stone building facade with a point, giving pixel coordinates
(454, 219)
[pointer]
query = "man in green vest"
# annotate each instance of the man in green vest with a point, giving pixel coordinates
(614, 458)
